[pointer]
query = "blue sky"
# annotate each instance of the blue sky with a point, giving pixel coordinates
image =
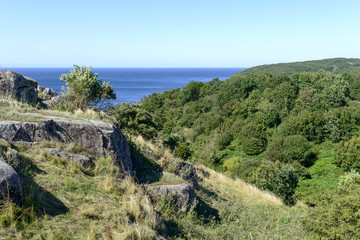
(144, 33)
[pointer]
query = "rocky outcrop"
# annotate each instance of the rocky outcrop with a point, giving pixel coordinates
(46, 93)
(98, 137)
(182, 195)
(18, 87)
(10, 188)
(82, 160)
(185, 170)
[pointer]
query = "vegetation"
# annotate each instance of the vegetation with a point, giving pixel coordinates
(85, 89)
(295, 135)
(336, 65)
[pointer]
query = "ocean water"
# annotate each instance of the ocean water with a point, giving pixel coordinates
(132, 84)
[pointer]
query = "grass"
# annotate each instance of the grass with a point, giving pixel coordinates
(16, 111)
(324, 176)
(64, 201)
(68, 203)
(228, 208)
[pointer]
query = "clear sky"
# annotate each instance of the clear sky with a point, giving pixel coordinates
(175, 33)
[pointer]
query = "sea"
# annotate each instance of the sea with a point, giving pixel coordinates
(132, 84)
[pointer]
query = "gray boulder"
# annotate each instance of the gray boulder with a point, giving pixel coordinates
(10, 188)
(82, 160)
(98, 137)
(182, 195)
(18, 87)
(54, 101)
(46, 93)
(185, 170)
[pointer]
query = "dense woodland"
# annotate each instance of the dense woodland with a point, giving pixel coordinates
(335, 65)
(296, 135)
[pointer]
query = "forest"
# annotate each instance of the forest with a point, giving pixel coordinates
(295, 135)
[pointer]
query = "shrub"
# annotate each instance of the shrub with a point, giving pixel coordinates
(182, 151)
(85, 89)
(232, 162)
(278, 178)
(349, 179)
(348, 154)
(290, 149)
(337, 215)
(253, 146)
(246, 170)
(134, 118)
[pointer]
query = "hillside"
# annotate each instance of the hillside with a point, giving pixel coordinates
(296, 136)
(68, 174)
(336, 65)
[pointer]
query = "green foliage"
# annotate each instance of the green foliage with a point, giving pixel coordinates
(182, 151)
(294, 148)
(348, 154)
(134, 118)
(85, 89)
(279, 179)
(331, 65)
(231, 163)
(324, 176)
(190, 92)
(337, 215)
(253, 146)
(246, 170)
(349, 179)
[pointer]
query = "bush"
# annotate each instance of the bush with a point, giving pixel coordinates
(246, 170)
(350, 179)
(337, 215)
(182, 151)
(85, 89)
(134, 118)
(290, 149)
(348, 154)
(278, 178)
(232, 162)
(253, 146)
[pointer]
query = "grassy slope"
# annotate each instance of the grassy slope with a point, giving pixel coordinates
(66, 202)
(337, 65)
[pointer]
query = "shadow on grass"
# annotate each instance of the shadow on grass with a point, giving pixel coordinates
(203, 209)
(34, 195)
(146, 170)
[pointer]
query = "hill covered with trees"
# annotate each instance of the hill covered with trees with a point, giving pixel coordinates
(296, 135)
(336, 65)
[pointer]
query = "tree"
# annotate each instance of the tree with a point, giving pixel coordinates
(85, 89)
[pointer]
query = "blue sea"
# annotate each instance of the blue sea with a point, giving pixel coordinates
(132, 84)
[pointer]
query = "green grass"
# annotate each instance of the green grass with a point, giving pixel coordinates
(324, 175)
(68, 203)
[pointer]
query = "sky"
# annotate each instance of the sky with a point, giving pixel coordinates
(174, 33)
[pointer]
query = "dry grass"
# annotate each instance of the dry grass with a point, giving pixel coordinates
(98, 204)
(232, 188)
(16, 111)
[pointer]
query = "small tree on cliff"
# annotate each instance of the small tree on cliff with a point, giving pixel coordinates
(84, 88)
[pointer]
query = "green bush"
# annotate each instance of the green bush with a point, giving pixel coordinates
(85, 89)
(348, 154)
(231, 163)
(336, 216)
(290, 149)
(278, 178)
(253, 146)
(134, 118)
(182, 151)
(349, 179)
(246, 170)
